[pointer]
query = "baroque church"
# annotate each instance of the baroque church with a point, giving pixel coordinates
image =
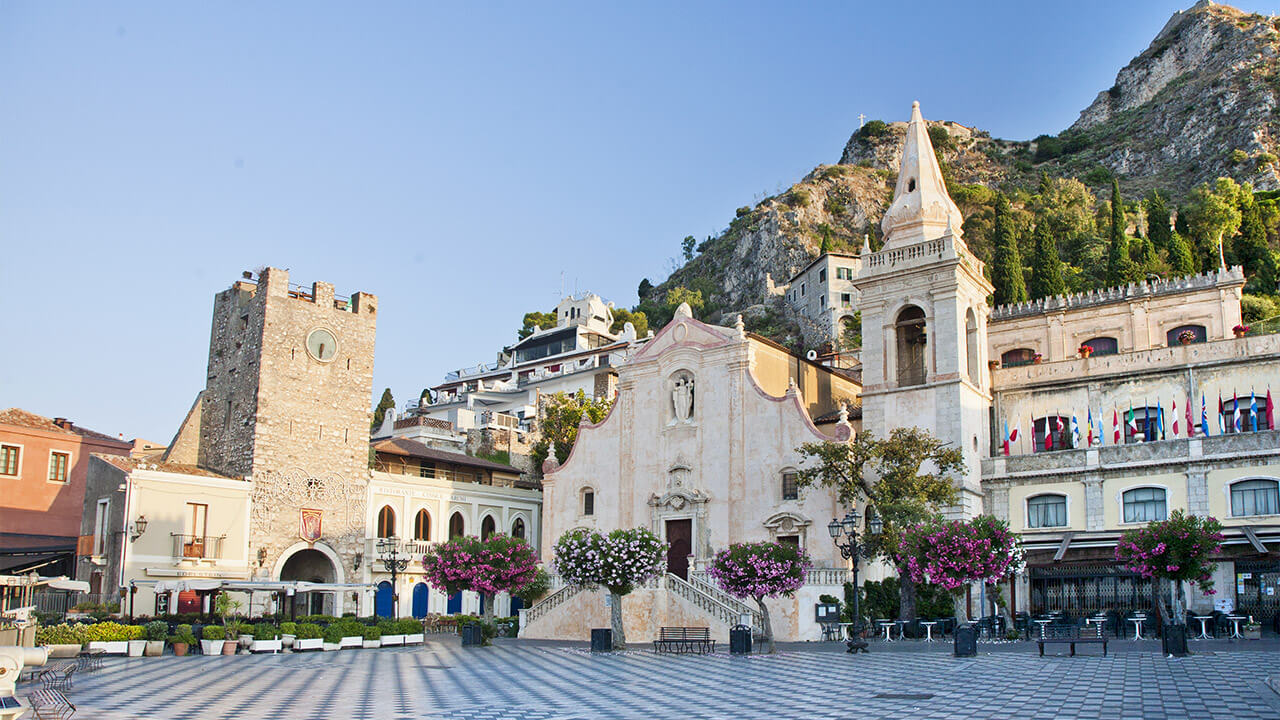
(1070, 445)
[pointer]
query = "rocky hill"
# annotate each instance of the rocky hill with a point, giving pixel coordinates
(1200, 102)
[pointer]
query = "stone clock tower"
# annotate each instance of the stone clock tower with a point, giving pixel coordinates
(924, 318)
(286, 403)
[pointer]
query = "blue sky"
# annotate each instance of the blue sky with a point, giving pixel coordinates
(455, 159)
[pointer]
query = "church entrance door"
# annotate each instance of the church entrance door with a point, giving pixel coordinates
(679, 539)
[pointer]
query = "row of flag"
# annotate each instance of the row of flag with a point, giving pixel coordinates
(1241, 418)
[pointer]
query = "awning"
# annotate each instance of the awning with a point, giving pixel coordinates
(62, 582)
(168, 586)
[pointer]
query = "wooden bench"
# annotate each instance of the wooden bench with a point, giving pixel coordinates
(1070, 635)
(50, 704)
(684, 640)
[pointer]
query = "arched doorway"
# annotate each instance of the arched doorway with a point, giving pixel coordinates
(421, 600)
(382, 600)
(311, 565)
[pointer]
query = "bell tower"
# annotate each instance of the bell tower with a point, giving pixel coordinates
(924, 318)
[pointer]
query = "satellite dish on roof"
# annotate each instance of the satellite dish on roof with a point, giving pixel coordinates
(812, 355)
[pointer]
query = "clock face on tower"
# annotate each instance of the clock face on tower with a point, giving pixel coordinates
(322, 345)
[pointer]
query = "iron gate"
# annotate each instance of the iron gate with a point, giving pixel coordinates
(1083, 590)
(1258, 588)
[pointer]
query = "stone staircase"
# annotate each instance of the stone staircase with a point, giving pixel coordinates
(704, 595)
(547, 604)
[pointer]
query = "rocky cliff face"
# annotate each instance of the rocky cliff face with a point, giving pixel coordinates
(1200, 102)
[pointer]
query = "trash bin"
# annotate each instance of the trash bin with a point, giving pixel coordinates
(740, 640)
(966, 641)
(472, 635)
(601, 639)
(1173, 640)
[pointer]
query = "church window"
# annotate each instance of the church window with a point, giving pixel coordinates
(1102, 345)
(422, 525)
(1255, 497)
(487, 527)
(912, 338)
(911, 185)
(1020, 356)
(1197, 334)
(1045, 511)
(588, 502)
(790, 486)
(792, 540)
(386, 522)
(1144, 505)
(457, 527)
(971, 347)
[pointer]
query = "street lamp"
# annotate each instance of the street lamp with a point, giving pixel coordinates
(394, 563)
(844, 533)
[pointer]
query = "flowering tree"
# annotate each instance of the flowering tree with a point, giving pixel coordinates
(759, 570)
(618, 561)
(499, 564)
(1172, 551)
(953, 553)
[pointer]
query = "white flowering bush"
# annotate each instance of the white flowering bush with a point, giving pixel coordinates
(618, 561)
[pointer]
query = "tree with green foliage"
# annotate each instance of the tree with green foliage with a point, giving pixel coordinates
(1213, 216)
(891, 475)
(558, 421)
(1250, 247)
(825, 247)
(534, 321)
(1120, 267)
(1046, 265)
(645, 288)
(1159, 229)
(426, 397)
(386, 403)
(637, 318)
(678, 295)
(1181, 260)
(1006, 264)
(687, 247)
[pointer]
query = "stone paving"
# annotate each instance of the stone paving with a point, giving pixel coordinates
(524, 680)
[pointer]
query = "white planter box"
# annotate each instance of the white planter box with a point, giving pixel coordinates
(308, 644)
(114, 647)
(372, 643)
(155, 648)
(137, 647)
(273, 646)
(392, 640)
(332, 646)
(211, 647)
(352, 642)
(415, 638)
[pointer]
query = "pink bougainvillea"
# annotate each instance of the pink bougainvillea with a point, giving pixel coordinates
(499, 564)
(952, 553)
(760, 569)
(1179, 548)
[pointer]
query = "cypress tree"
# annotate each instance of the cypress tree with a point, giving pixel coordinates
(1120, 269)
(1158, 228)
(1006, 265)
(1250, 248)
(1046, 265)
(383, 405)
(1181, 261)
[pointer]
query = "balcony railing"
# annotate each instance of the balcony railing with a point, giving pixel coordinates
(205, 547)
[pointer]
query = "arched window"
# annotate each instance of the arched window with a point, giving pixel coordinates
(1058, 437)
(1103, 345)
(1144, 505)
(386, 522)
(457, 526)
(912, 339)
(1245, 414)
(1142, 424)
(1045, 511)
(1198, 334)
(422, 526)
(487, 527)
(588, 502)
(517, 528)
(790, 485)
(1020, 356)
(1255, 497)
(971, 347)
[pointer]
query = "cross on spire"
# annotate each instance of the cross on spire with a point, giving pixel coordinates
(861, 120)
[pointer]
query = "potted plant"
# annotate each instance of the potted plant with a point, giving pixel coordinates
(1037, 359)
(109, 637)
(1085, 350)
(236, 631)
(993, 364)
(136, 636)
(182, 640)
(351, 633)
(155, 633)
(62, 641)
(308, 637)
(288, 633)
(413, 631)
(212, 638)
(372, 636)
(266, 638)
(1240, 330)
(1252, 630)
(391, 634)
(1186, 337)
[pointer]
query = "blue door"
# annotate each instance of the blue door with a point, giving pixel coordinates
(382, 600)
(421, 594)
(482, 601)
(516, 605)
(455, 604)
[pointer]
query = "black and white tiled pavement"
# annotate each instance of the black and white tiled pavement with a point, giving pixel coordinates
(518, 681)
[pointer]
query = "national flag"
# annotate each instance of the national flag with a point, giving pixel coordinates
(1131, 421)
(1222, 425)
(1048, 436)
(1253, 411)
(1204, 417)
(1090, 438)
(1271, 421)
(1160, 420)
(1013, 434)
(1191, 423)
(1174, 411)
(1075, 432)
(1101, 420)
(1235, 411)
(1006, 438)
(1115, 424)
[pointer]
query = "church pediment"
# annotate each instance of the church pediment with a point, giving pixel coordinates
(678, 499)
(685, 331)
(787, 522)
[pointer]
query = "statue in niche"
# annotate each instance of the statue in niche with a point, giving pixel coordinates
(682, 397)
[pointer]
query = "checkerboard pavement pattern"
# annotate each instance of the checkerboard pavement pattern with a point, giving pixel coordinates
(519, 681)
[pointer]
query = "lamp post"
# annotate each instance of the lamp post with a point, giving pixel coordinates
(844, 533)
(394, 563)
